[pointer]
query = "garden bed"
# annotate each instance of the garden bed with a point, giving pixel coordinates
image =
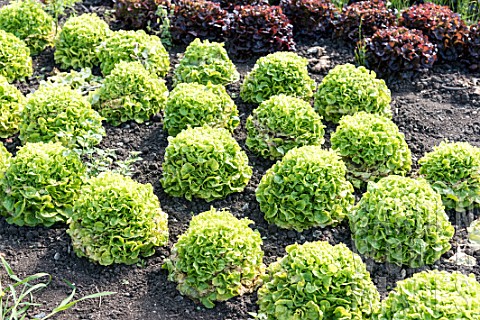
(442, 104)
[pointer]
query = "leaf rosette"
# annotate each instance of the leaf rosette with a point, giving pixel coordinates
(133, 46)
(310, 17)
(278, 73)
(27, 20)
(282, 123)
(316, 281)
(453, 170)
(474, 234)
(14, 57)
(139, 14)
(59, 113)
(372, 147)
(41, 184)
(217, 258)
(77, 41)
(195, 105)
(443, 27)
(398, 51)
(433, 295)
(129, 92)
(206, 163)
(117, 220)
(205, 62)
(347, 89)
(306, 189)
(258, 29)
(193, 19)
(402, 221)
(473, 43)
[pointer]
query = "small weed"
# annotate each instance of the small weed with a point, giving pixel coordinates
(17, 297)
(164, 29)
(360, 50)
(57, 8)
(399, 5)
(99, 160)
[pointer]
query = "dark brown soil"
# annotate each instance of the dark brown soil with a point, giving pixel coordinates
(443, 104)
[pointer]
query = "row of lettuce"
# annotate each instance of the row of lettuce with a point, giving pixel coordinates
(113, 219)
(390, 42)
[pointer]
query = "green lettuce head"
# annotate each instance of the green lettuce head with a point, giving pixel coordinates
(278, 73)
(133, 46)
(217, 258)
(433, 295)
(206, 163)
(129, 92)
(317, 281)
(41, 184)
(14, 58)
(27, 21)
(306, 189)
(11, 106)
(282, 123)
(372, 148)
(117, 220)
(402, 221)
(205, 62)
(76, 43)
(453, 170)
(59, 113)
(347, 89)
(195, 105)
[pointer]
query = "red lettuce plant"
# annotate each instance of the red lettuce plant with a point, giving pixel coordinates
(138, 14)
(362, 19)
(197, 19)
(310, 17)
(398, 51)
(258, 30)
(441, 25)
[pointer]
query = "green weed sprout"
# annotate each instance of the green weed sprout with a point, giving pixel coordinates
(17, 297)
